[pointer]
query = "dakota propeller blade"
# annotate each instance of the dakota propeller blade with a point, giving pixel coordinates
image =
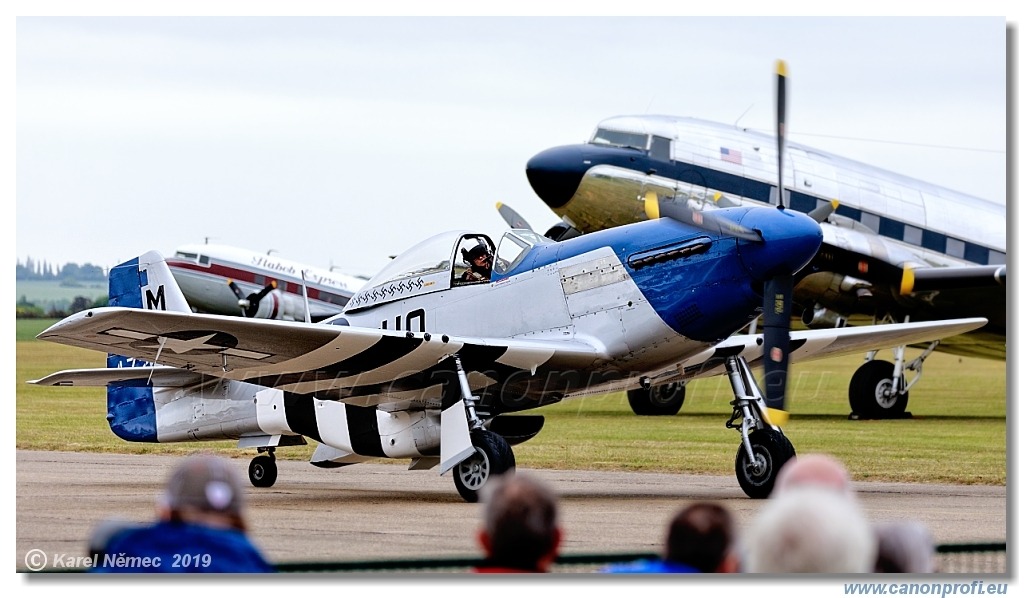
(822, 212)
(704, 220)
(512, 217)
(251, 304)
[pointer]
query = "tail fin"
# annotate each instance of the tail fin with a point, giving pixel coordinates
(147, 283)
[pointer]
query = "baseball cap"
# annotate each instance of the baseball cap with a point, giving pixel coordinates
(206, 483)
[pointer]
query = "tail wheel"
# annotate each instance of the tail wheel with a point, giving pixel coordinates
(493, 457)
(664, 399)
(771, 450)
(871, 393)
(263, 471)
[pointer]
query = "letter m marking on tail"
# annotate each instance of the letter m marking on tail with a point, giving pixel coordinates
(156, 302)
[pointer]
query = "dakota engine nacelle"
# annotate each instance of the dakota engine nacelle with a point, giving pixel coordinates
(277, 305)
(822, 317)
(270, 303)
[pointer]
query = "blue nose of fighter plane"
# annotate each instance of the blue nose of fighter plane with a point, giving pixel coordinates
(791, 239)
(555, 173)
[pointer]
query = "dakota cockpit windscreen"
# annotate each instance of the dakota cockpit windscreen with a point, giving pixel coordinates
(619, 139)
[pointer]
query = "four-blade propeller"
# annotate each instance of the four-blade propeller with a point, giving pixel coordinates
(778, 287)
(778, 290)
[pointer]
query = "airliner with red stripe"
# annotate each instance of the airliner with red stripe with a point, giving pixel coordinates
(225, 280)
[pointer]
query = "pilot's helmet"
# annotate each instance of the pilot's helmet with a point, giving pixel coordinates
(471, 254)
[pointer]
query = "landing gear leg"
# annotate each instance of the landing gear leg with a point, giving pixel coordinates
(263, 468)
(763, 448)
(491, 454)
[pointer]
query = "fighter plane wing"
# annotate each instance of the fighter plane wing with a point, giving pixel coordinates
(809, 345)
(336, 360)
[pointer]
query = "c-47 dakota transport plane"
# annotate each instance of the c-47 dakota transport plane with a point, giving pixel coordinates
(426, 362)
(894, 249)
(220, 279)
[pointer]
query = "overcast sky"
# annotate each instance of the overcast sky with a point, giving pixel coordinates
(339, 141)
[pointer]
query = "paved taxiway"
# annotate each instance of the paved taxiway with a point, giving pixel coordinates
(378, 511)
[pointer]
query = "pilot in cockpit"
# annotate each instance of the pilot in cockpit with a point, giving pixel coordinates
(479, 259)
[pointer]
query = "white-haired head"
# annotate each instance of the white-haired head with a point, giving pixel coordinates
(815, 469)
(810, 530)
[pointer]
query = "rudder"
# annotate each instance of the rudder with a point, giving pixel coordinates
(146, 282)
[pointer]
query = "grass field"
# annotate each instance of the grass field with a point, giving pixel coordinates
(49, 291)
(958, 433)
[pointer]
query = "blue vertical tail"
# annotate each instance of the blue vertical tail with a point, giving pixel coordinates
(144, 282)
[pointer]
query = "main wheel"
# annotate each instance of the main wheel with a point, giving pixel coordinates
(771, 449)
(665, 399)
(493, 457)
(871, 392)
(263, 471)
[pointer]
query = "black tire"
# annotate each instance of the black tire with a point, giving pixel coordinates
(493, 457)
(664, 399)
(263, 471)
(771, 450)
(867, 392)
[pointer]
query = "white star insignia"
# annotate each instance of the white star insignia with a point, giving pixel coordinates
(179, 346)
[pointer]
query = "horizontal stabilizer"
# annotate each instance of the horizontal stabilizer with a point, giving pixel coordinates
(159, 376)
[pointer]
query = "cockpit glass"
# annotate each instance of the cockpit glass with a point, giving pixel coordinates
(513, 247)
(620, 139)
(430, 256)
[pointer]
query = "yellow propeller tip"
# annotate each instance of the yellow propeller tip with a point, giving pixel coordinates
(907, 283)
(651, 205)
(498, 205)
(780, 68)
(778, 417)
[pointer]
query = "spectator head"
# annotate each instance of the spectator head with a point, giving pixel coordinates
(810, 530)
(520, 528)
(815, 469)
(204, 489)
(701, 535)
(904, 547)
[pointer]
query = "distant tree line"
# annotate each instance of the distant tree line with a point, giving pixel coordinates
(68, 273)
